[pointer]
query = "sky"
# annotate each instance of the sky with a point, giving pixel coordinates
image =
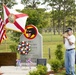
(21, 6)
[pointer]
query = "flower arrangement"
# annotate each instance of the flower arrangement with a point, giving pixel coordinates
(23, 47)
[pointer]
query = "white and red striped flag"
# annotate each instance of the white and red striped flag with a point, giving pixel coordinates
(2, 30)
(14, 20)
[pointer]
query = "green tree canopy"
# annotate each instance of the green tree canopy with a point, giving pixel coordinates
(30, 3)
(36, 17)
(60, 10)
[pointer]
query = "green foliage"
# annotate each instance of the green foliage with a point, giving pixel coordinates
(34, 73)
(55, 64)
(37, 18)
(58, 63)
(59, 15)
(13, 47)
(58, 52)
(15, 36)
(31, 3)
(41, 70)
(62, 63)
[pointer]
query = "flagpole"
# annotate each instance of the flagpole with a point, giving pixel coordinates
(6, 45)
(3, 19)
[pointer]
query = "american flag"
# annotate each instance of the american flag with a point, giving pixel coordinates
(2, 30)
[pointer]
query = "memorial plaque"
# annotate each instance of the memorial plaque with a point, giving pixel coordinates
(41, 62)
(36, 48)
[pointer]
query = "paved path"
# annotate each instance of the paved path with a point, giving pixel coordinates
(14, 70)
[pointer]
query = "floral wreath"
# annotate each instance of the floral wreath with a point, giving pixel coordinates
(23, 47)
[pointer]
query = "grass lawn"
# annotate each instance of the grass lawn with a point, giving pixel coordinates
(49, 41)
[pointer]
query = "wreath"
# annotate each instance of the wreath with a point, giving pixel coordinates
(23, 47)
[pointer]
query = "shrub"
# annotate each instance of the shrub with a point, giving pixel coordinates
(41, 70)
(13, 48)
(62, 63)
(55, 64)
(34, 73)
(58, 52)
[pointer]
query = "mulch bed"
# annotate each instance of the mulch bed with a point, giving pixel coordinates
(52, 72)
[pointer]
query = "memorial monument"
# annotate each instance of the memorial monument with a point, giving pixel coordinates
(34, 38)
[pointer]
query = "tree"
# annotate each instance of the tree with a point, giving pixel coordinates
(8, 3)
(68, 10)
(58, 52)
(15, 36)
(31, 3)
(36, 17)
(61, 9)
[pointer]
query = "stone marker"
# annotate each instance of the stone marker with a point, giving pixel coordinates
(36, 48)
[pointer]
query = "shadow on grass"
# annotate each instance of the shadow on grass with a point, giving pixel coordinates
(62, 72)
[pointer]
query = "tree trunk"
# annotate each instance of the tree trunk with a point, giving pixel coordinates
(64, 18)
(59, 20)
(54, 31)
(59, 26)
